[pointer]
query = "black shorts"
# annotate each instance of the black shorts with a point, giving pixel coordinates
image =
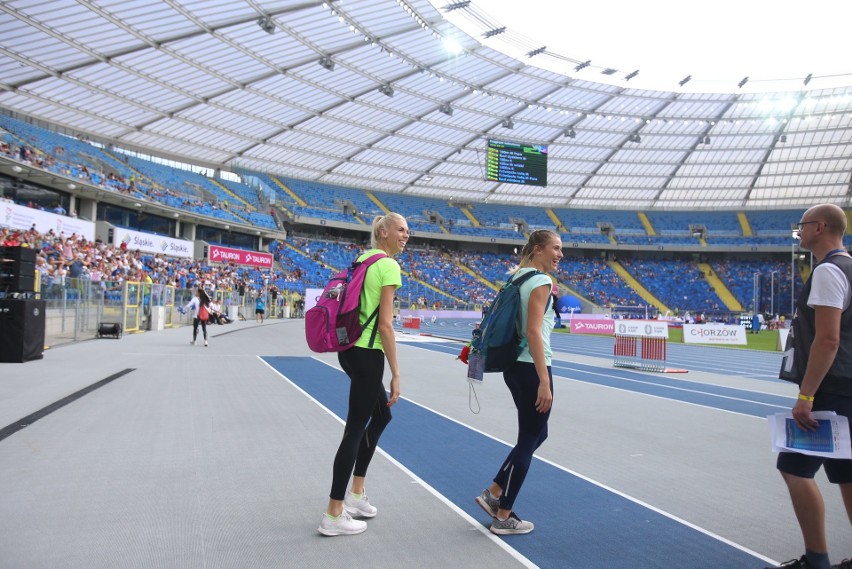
(838, 471)
(258, 311)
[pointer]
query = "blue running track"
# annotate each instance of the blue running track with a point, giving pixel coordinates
(745, 363)
(578, 523)
(676, 387)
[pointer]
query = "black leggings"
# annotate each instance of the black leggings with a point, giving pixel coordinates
(195, 322)
(368, 415)
(522, 381)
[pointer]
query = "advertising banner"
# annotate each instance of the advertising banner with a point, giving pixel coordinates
(714, 334)
(150, 243)
(22, 218)
(219, 254)
(311, 297)
(592, 326)
(782, 339)
(642, 328)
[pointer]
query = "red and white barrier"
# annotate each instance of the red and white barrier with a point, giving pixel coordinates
(642, 345)
(411, 325)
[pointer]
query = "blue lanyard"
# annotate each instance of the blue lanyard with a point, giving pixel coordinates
(833, 252)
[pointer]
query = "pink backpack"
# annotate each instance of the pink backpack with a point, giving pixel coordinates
(333, 324)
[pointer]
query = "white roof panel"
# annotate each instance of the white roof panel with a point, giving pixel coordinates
(201, 81)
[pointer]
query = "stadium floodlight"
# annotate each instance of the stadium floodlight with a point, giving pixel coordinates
(685, 80)
(386, 90)
(742, 82)
(327, 62)
(583, 65)
(266, 24)
(446, 109)
(507, 123)
(631, 75)
(457, 6)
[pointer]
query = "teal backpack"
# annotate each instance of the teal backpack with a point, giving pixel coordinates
(497, 340)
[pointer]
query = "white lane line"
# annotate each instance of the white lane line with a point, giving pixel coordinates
(481, 528)
(654, 384)
(610, 489)
(473, 522)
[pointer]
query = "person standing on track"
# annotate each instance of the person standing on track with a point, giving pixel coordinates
(529, 380)
(819, 359)
(199, 316)
(364, 363)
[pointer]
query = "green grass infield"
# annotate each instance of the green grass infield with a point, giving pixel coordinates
(765, 340)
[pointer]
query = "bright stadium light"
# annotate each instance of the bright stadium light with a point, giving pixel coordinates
(452, 46)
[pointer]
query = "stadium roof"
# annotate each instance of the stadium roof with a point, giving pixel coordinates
(389, 95)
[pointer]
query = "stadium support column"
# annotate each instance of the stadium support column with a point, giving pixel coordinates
(793, 276)
(772, 292)
(755, 296)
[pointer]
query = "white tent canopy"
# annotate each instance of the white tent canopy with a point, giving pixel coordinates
(365, 93)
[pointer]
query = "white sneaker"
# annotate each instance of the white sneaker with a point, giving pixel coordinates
(342, 525)
(205, 343)
(192, 343)
(361, 508)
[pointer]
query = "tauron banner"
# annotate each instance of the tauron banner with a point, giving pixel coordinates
(218, 254)
(592, 326)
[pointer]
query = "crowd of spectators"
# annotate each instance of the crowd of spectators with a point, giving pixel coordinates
(65, 261)
(436, 279)
(773, 282)
(679, 284)
(121, 179)
(595, 280)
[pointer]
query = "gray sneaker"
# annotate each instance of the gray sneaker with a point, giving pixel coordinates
(512, 525)
(487, 503)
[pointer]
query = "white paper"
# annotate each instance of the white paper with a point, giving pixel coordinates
(831, 440)
(475, 367)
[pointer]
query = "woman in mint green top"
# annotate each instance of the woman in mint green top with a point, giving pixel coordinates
(364, 363)
(529, 380)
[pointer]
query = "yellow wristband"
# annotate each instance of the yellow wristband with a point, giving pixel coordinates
(804, 397)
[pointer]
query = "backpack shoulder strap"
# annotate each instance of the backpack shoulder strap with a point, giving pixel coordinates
(371, 259)
(367, 263)
(528, 276)
(524, 278)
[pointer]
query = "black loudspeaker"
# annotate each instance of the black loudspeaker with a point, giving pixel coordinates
(17, 283)
(22, 324)
(111, 329)
(17, 269)
(22, 254)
